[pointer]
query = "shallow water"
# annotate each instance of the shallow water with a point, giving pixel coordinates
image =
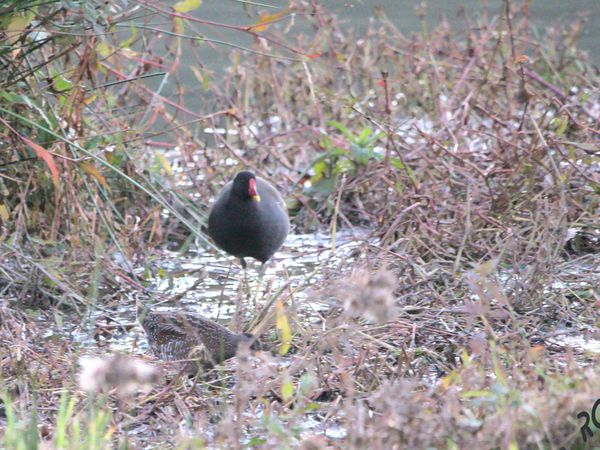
(212, 284)
(578, 341)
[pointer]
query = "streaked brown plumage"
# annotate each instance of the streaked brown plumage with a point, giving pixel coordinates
(190, 338)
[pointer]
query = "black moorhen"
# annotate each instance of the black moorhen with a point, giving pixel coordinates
(249, 218)
(194, 340)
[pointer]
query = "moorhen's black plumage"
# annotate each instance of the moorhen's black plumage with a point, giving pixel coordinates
(249, 218)
(190, 338)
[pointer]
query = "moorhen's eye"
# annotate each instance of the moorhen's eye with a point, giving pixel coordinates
(249, 218)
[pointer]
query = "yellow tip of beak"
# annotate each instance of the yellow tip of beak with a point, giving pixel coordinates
(256, 198)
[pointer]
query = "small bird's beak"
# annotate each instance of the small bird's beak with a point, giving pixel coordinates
(252, 191)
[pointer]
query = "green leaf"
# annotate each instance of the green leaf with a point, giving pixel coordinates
(65, 413)
(411, 175)
(324, 186)
(61, 84)
(4, 213)
(397, 163)
(363, 139)
(334, 152)
(17, 26)
(360, 154)
(342, 129)
(256, 441)
(287, 390)
(374, 139)
(477, 394)
(274, 426)
(13, 98)
(187, 5)
(344, 166)
(163, 162)
(104, 49)
(283, 328)
(127, 43)
(319, 167)
(306, 384)
(202, 76)
(562, 126)
(92, 143)
(326, 143)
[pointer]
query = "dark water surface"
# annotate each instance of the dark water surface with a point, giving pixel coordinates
(356, 14)
(210, 58)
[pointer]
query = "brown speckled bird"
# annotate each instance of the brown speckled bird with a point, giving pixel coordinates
(190, 338)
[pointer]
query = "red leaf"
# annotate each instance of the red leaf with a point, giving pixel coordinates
(44, 154)
(41, 153)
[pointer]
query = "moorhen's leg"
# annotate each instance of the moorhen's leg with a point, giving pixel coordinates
(262, 270)
(246, 284)
(245, 280)
(259, 284)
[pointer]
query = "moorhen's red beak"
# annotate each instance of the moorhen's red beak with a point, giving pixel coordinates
(252, 190)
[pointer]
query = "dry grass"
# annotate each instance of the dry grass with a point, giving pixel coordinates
(471, 155)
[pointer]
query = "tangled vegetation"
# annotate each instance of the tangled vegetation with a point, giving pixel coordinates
(471, 156)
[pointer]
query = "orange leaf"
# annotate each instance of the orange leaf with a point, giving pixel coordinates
(233, 112)
(44, 154)
(283, 327)
(90, 99)
(41, 153)
(4, 213)
(266, 20)
(92, 171)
